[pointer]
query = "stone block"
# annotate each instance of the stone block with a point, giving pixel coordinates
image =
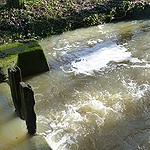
(32, 62)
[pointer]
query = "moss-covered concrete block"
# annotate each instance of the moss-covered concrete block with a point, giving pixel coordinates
(28, 55)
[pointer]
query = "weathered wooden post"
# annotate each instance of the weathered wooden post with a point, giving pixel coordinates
(23, 98)
(28, 102)
(14, 81)
(2, 76)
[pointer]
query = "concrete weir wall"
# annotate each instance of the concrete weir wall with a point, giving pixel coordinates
(29, 56)
(32, 62)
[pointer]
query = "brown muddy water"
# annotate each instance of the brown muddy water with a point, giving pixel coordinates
(96, 95)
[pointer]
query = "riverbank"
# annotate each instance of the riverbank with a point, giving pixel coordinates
(43, 18)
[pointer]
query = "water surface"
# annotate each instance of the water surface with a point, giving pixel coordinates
(96, 94)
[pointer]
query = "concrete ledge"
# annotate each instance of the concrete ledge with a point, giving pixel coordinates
(39, 143)
(28, 55)
(32, 62)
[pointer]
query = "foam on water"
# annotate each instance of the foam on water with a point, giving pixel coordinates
(102, 111)
(74, 122)
(107, 110)
(92, 59)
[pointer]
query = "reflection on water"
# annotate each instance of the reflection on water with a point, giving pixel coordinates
(96, 94)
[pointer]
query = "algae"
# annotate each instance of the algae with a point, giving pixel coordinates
(9, 53)
(18, 47)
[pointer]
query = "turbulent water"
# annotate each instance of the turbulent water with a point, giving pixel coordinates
(96, 95)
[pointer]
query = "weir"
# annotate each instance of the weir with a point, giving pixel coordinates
(23, 98)
(95, 96)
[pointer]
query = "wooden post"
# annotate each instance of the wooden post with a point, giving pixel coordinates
(2, 76)
(23, 98)
(28, 102)
(14, 80)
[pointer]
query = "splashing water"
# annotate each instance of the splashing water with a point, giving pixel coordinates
(96, 94)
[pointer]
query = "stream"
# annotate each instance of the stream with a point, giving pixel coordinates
(96, 95)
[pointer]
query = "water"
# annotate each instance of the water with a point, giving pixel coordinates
(96, 94)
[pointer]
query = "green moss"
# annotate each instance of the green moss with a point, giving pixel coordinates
(8, 61)
(9, 52)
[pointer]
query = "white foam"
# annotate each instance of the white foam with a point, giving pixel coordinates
(73, 120)
(99, 56)
(93, 106)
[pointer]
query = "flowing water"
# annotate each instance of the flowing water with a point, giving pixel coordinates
(96, 95)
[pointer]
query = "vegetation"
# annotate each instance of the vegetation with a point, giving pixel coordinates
(9, 52)
(14, 3)
(35, 19)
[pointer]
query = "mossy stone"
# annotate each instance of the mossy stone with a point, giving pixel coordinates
(32, 62)
(28, 55)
